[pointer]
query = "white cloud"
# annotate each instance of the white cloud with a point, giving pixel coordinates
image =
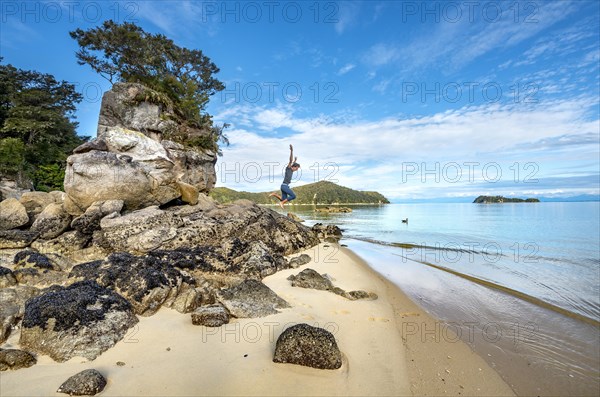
(380, 54)
(346, 15)
(346, 68)
(369, 153)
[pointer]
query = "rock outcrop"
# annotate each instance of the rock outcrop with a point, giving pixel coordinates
(310, 346)
(132, 160)
(83, 319)
(146, 282)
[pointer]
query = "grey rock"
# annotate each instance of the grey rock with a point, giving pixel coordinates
(251, 299)
(294, 217)
(52, 221)
(118, 110)
(140, 231)
(360, 294)
(210, 316)
(35, 202)
(17, 238)
(309, 278)
(83, 319)
(67, 244)
(58, 196)
(328, 233)
(11, 187)
(145, 281)
(90, 220)
(7, 278)
(96, 144)
(15, 359)
(141, 178)
(300, 260)
(12, 307)
(309, 346)
(85, 383)
(12, 214)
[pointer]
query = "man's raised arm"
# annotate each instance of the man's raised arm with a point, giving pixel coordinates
(292, 158)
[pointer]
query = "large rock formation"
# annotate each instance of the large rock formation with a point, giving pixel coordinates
(83, 319)
(131, 159)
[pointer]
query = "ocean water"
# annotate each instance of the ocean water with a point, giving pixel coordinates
(519, 282)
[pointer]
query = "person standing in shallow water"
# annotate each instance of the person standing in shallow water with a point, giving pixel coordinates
(287, 194)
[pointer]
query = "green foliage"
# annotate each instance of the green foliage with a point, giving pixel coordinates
(36, 129)
(323, 192)
(12, 156)
(49, 177)
(125, 52)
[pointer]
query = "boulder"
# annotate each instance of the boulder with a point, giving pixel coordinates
(15, 359)
(139, 231)
(17, 238)
(7, 278)
(309, 278)
(67, 244)
(210, 316)
(58, 196)
(137, 175)
(83, 319)
(153, 228)
(300, 260)
(131, 105)
(309, 346)
(52, 221)
(12, 214)
(29, 259)
(189, 193)
(14, 187)
(192, 166)
(329, 233)
(12, 307)
(35, 269)
(35, 202)
(251, 299)
(145, 281)
(89, 221)
(294, 217)
(88, 382)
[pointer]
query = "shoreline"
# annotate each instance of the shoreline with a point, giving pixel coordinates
(383, 355)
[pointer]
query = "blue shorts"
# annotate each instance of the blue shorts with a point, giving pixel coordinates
(287, 193)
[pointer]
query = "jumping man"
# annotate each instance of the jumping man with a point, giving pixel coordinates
(287, 194)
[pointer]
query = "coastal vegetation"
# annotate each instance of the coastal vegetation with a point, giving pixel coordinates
(179, 78)
(37, 127)
(501, 199)
(322, 192)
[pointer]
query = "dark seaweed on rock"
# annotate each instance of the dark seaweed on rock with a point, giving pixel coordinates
(70, 306)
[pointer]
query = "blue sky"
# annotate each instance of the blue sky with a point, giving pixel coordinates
(416, 100)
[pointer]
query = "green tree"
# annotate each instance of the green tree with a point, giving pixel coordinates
(36, 124)
(125, 52)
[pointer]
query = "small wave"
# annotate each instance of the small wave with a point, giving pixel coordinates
(521, 295)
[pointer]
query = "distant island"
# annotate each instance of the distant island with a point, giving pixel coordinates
(323, 192)
(501, 199)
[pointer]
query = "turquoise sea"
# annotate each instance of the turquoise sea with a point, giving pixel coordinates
(518, 282)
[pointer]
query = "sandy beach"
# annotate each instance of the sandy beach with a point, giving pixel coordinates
(390, 348)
